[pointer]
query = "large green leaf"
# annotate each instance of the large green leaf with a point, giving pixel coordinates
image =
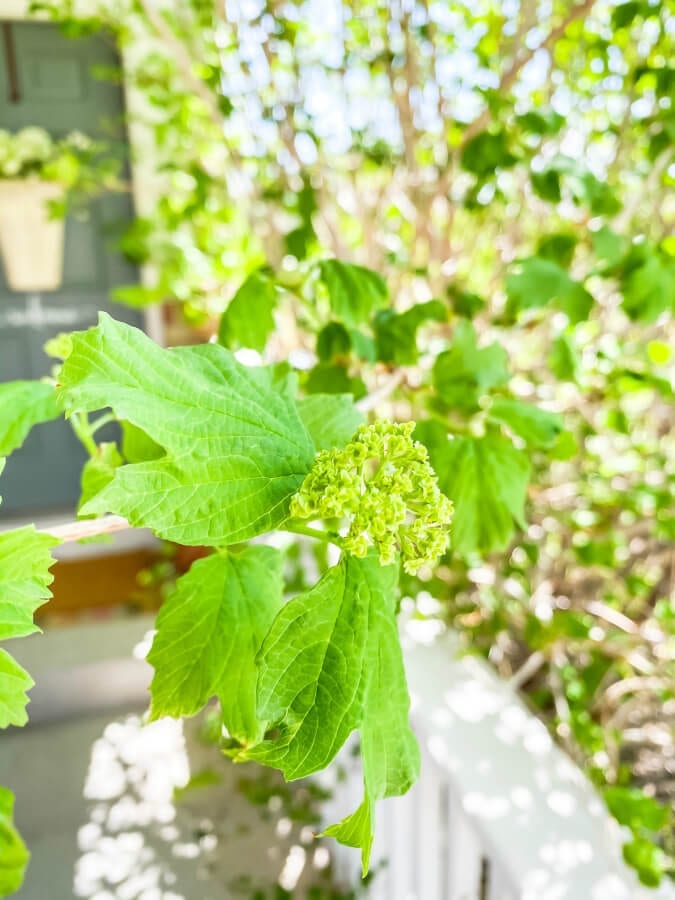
(248, 320)
(486, 478)
(24, 579)
(24, 404)
(354, 292)
(537, 427)
(331, 419)
(314, 664)
(535, 282)
(208, 634)
(389, 749)
(236, 448)
(465, 372)
(396, 333)
(14, 682)
(13, 853)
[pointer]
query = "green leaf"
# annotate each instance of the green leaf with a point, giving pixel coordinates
(15, 682)
(24, 579)
(13, 853)
(354, 292)
(208, 634)
(536, 282)
(541, 121)
(389, 749)
(333, 343)
(137, 446)
(631, 806)
(25, 561)
(486, 478)
(647, 858)
(608, 246)
(648, 284)
(558, 247)
(330, 419)
(24, 404)
(236, 448)
(99, 471)
(328, 378)
(248, 321)
(564, 359)
(138, 296)
(546, 185)
(465, 303)
(535, 426)
(313, 666)
(396, 333)
(464, 373)
(487, 152)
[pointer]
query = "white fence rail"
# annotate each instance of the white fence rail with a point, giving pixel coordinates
(499, 813)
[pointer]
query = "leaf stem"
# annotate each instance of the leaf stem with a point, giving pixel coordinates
(308, 531)
(101, 421)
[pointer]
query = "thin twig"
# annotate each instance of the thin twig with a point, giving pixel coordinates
(182, 59)
(511, 74)
(528, 670)
(76, 531)
(373, 400)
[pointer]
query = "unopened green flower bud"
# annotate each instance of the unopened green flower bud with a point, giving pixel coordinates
(383, 485)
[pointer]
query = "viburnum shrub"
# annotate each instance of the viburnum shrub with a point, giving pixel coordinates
(458, 215)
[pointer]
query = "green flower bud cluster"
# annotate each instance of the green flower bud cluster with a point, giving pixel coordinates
(383, 483)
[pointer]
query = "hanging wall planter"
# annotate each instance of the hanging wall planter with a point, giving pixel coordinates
(30, 241)
(35, 170)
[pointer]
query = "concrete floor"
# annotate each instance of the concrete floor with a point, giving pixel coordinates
(96, 804)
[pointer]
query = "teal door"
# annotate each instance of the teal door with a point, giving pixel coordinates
(46, 79)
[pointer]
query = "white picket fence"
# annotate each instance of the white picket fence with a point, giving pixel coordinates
(499, 813)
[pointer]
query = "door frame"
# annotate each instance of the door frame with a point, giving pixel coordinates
(146, 186)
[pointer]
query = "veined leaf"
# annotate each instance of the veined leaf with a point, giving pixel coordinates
(331, 419)
(314, 664)
(354, 292)
(248, 321)
(486, 478)
(236, 449)
(24, 579)
(15, 682)
(24, 404)
(535, 426)
(13, 853)
(389, 749)
(465, 372)
(208, 634)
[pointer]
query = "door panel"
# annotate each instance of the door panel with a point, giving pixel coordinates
(57, 91)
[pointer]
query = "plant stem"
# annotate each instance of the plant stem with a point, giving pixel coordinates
(308, 531)
(100, 422)
(75, 531)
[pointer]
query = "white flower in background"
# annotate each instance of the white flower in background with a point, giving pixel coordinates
(33, 145)
(79, 141)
